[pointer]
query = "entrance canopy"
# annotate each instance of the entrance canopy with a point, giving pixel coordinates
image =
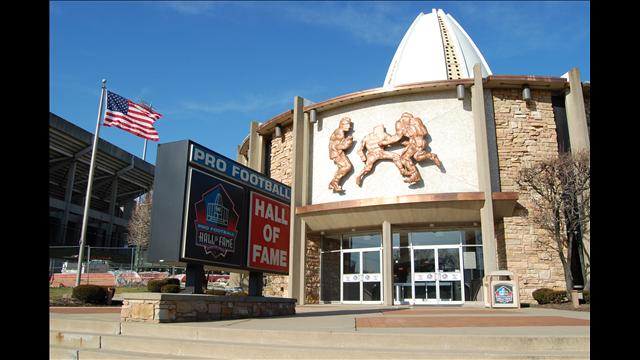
(410, 209)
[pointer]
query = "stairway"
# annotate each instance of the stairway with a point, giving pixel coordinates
(82, 339)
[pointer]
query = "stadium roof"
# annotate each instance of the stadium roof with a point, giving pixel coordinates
(68, 142)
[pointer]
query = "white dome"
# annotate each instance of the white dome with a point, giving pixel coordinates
(434, 48)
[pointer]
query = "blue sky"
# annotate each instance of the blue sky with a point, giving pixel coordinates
(213, 67)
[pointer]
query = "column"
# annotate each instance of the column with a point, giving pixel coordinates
(579, 139)
(387, 264)
(484, 173)
(298, 198)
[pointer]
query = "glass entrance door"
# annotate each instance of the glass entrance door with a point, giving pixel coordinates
(438, 275)
(361, 276)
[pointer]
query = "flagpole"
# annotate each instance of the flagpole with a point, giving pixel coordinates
(87, 202)
(144, 151)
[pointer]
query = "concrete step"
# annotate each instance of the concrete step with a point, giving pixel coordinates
(62, 353)
(96, 339)
(85, 326)
(418, 342)
(356, 339)
(229, 350)
(74, 340)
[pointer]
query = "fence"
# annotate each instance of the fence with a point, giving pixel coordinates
(117, 258)
(109, 266)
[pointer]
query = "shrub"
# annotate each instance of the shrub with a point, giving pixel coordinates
(239, 293)
(586, 297)
(156, 285)
(170, 288)
(172, 281)
(549, 296)
(90, 293)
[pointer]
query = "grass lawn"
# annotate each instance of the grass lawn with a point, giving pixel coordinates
(58, 293)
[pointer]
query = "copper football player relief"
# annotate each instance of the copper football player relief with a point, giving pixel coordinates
(338, 143)
(375, 152)
(412, 128)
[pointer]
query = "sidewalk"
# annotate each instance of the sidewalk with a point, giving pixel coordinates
(397, 320)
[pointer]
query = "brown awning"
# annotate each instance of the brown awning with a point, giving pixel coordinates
(408, 209)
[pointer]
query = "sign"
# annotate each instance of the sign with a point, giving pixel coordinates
(503, 294)
(211, 210)
(269, 235)
(219, 164)
(216, 224)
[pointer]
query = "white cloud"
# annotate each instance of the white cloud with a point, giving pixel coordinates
(271, 104)
(376, 23)
(190, 7)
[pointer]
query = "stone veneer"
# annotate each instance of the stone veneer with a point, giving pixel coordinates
(281, 167)
(312, 271)
(526, 133)
(165, 308)
(281, 170)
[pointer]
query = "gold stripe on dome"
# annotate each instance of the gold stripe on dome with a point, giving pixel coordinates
(451, 59)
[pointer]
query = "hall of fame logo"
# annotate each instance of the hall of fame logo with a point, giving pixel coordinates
(216, 222)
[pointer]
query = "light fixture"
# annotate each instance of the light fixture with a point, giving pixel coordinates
(526, 93)
(460, 90)
(278, 132)
(312, 116)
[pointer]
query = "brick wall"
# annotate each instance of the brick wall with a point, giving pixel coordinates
(281, 167)
(526, 133)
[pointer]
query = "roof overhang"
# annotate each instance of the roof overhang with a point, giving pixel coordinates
(408, 209)
(534, 82)
(69, 144)
(492, 81)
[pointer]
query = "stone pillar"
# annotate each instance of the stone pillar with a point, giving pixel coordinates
(256, 149)
(484, 174)
(579, 139)
(235, 279)
(255, 162)
(387, 264)
(298, 198)
(576, 115)
(240, 158)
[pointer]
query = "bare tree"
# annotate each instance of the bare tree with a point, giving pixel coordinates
(140, 226)
(560, 195)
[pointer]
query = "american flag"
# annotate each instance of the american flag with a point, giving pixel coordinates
(131, 117)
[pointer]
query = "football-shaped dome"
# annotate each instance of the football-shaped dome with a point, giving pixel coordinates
(435, 47)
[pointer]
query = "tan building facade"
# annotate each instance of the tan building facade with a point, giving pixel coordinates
(392, 239)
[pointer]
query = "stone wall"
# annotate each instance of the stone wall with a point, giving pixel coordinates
(526, 133)
(166, 308)
(282, 157)
(312, 271)
(281, 170)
